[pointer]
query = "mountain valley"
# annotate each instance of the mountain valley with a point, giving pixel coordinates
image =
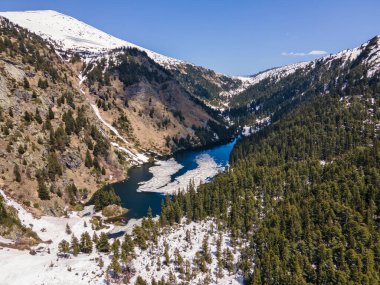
(298, 202)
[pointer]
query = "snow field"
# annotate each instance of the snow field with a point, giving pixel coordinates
(20, 267)
(146, 261)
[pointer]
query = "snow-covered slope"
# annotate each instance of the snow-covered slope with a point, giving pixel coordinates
(369, 51)
(274, 73)
(71, 35)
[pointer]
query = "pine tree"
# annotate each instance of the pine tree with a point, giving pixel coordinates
(140, 281)
(88, 160)
(64, 247)
(68, 229)
(75, 246)
(178, 258)
(43, 84)
(27, 117)
(101, 262)
(50, 114)
(128, 245)
(103, 245)
(54, 166)
(17, 173)
(256, 279)
(43, 192)
(37, 116)
(116, 248)
(219, 258)
(85, 243)
(228, 260)
(115, 266)
(95, 238)
(166, 254)
(188, 237)
(205, 250)
(69, 122)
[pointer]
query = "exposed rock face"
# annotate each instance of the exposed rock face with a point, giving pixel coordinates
(22, 95)
(71, 160)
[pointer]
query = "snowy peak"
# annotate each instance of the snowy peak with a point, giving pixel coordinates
(277, 72)
(66, 32)
(368, 53)
(69, 35)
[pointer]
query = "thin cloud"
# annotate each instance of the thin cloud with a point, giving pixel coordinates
(317, 52)
(313, 52)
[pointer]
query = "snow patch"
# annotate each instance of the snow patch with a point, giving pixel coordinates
(138, 157)
(259, 124)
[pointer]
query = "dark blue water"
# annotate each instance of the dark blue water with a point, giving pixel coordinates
(138, 202)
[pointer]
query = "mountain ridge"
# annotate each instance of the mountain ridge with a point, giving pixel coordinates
(72, 35)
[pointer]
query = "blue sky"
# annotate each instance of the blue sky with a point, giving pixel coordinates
(238, 37)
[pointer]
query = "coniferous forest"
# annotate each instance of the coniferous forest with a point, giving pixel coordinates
(302, 196)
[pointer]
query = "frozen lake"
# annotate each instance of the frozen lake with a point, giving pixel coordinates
(147, 184)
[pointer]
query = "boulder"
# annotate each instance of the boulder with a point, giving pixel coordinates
(71, 160)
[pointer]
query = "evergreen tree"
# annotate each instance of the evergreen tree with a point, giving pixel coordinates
(43, 192)
(95, 238)
(116, 248)
(88, 160)
(128, 245)
(228, 260)
(75, 246)
(115, 267)
(205, 250)
(140, 281)
(103, 197)
(50, 114)
(86, 243)
(64, 247)
(166, 254)
(17, 173)
(103, 245)
(68, 229)
(37, 116)
(54, 166)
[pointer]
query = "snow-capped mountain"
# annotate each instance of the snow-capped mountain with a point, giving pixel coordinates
(369, 53)
(69, 35)
(274, 73)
